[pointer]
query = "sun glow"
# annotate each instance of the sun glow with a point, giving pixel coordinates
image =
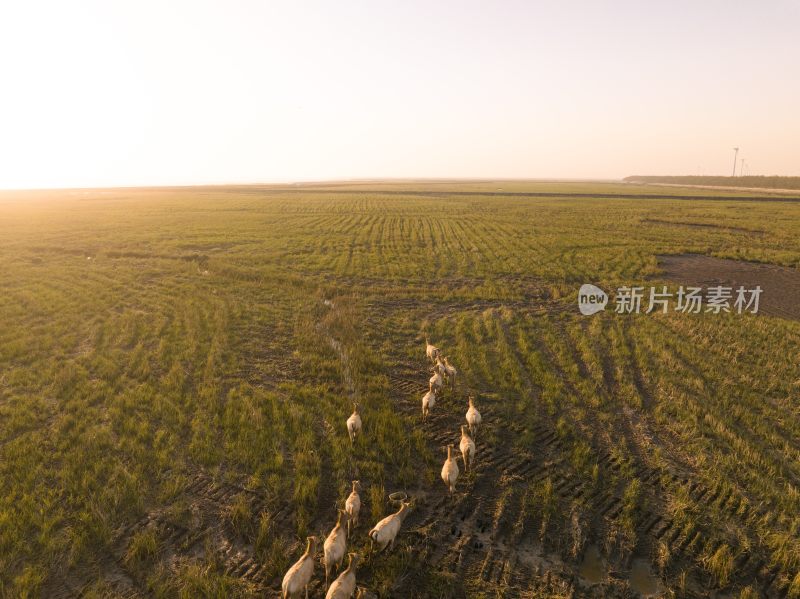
(139, 93)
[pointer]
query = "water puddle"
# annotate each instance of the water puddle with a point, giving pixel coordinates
(592, 568)
(642, 579)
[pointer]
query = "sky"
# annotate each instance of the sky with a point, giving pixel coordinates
(117, 92)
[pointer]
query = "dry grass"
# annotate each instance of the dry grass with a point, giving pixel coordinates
(195, 341)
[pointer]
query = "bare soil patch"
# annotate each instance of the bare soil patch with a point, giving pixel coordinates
(780, 284)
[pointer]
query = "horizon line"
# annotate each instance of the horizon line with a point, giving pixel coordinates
(344, 180)
(318, 182)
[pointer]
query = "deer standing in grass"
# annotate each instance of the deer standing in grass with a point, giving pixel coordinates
(440, 367)
(436, 382)
(431, 351)
(451, 373)
(450, 470)
(335, 546)
(299, 575)
(473, 417)
(345, 584)
(428, 401)
(467, 447)
(354, 423)
(353, 506)
(385, 531)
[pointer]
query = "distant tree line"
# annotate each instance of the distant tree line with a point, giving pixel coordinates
(773, 182)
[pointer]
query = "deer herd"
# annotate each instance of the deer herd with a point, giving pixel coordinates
(385, 532)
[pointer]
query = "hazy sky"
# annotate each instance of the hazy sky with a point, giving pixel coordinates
(157, 92)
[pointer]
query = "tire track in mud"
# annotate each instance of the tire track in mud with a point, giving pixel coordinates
(466, 544)
(207, 499)
(482, 535)
(467, 535)
(464, 537)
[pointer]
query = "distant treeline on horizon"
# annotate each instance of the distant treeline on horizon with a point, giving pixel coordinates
(773, 182)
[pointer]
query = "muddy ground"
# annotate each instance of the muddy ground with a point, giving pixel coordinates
(781, 285)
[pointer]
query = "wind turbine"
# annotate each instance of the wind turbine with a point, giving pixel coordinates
(735, 154)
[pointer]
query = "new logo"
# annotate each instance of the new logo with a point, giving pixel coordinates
(591, 299)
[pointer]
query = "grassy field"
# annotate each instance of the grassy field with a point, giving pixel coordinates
(174, 387)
